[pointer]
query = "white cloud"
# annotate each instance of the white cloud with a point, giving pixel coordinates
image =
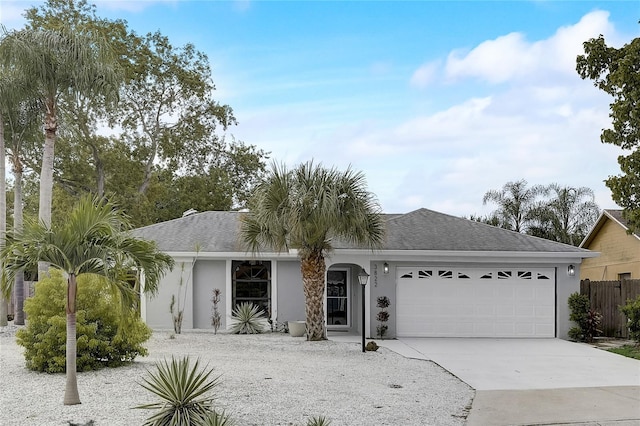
(513, 57)
(425, 75)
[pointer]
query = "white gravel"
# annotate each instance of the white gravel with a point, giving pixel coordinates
(267, 379)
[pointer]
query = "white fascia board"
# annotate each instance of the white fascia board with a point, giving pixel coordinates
(404, 256)
(595, 226)
(232, 255)
(481, 256)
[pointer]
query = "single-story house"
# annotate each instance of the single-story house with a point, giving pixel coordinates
(445, 277)
(620, 251)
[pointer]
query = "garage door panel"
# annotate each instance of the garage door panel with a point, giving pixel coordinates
(475, 302)
(544, 311)
(505, 311)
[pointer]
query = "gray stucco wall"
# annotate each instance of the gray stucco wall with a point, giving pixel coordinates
(157, 313)
(289, 295)
(290, 298)
(565, 286)
(382, 285)
(208, 274)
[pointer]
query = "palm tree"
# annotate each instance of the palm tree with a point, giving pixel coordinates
(3, 211)
(307, 209)
(567, 216)
(57, 62)
(93, 240)
(21, 112)
(515, 202)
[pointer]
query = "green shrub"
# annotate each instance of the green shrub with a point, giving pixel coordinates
(587, 319)
(632, 311)
(247, 318)
(184, 392)
(104, 336)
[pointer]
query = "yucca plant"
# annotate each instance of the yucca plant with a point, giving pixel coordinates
(218, 419)
(318, 421)
(247, 318)
(184, 393)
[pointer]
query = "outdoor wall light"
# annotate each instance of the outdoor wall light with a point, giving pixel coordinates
(571, 270)
(385, 268)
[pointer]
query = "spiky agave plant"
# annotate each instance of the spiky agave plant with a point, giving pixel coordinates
(184, 393)
(318, 421)
(218, 419)
(247, 318)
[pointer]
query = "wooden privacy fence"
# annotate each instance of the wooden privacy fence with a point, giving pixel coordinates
(606, 297)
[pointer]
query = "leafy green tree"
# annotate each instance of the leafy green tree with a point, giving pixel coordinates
(308, 208)
(567, 216)
(94, 240)
(80, 114)
(617, 73)
(57, 62)
(172, 126)
(168, 112)
(515, 202)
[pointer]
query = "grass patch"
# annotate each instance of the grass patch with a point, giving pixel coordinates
(630, 351)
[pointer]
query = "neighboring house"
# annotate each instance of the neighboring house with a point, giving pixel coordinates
(619, 251)
(445, 277)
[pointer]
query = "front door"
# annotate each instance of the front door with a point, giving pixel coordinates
(338, 300)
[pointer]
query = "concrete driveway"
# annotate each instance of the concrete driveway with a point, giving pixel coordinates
(494, 364)
(536, 381)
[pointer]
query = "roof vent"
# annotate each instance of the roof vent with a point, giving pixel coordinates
(189, 212)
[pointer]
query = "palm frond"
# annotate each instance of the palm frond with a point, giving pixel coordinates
(94, 240)
(310, 206)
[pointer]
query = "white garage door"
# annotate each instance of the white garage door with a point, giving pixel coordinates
(489, 302)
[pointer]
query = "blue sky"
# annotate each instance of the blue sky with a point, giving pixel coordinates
(436, 102)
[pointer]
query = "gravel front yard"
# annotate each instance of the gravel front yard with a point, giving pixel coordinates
(267, 379)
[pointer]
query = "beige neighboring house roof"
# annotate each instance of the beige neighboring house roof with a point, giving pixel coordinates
(608, 214)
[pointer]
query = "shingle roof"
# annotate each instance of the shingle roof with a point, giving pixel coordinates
(213, 231)
(423, 229)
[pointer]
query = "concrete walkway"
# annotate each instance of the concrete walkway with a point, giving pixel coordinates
(534, 381)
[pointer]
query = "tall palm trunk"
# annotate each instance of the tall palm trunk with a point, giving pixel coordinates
(313, 271)
(3, 215)
(18, 285)
(71, 395)
(46, 173)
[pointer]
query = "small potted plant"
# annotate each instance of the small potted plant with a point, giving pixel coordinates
(383, 316)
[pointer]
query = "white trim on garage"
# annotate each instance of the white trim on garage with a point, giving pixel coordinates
(434, 301)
